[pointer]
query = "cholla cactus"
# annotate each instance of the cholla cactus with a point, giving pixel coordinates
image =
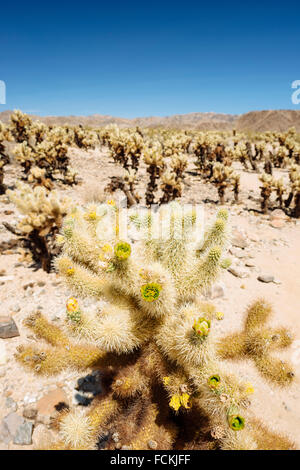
(43, 213)
(150, 331)
(51, 155)
(155, 165)
(21, 125)
(257, 341)
(85, 139)
(266, 191)
(4, 159)
(224, 177)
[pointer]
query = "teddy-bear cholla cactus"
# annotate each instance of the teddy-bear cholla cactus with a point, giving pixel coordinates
(4, 159)
(150, 331)
(42, 216)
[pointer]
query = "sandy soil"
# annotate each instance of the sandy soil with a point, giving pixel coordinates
(269, 250)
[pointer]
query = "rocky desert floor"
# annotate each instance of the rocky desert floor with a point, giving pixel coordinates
(265, 246)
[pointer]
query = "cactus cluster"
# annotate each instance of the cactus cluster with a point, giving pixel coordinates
(4, 159)
(152, 335)
(42, 214)
(287, 195)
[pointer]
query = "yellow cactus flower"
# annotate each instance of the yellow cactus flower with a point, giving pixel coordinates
(175, 402)
(92, 215)
(72, 305)
(249, 388)
(184, 399)
(70, 270)
(219, 315)
(107, 248)
(111, 202)
(166, 380)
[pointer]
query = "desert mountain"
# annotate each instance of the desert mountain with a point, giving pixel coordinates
(257, 121)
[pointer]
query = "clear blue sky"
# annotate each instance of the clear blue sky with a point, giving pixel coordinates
(127, 58)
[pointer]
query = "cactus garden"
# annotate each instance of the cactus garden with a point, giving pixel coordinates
(174, 328)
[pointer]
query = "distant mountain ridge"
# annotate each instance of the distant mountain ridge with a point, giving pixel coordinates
(256, 121)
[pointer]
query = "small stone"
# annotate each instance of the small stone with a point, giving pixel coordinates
(250, 264)
(10, 403)
(115, 437)
(265, 278)
(24, 433)
(239, 239)
(277, 223)
(278, 214)
(41, 436)
(12, 422)
(41, 283)
(218, 290)
(29, 399)
(2, 372)
(237, 252)
(8, 328)
(4, 433)
(28, 285)
(237, 272)
(152, 444)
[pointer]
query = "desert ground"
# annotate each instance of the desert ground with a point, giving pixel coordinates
(262, 245)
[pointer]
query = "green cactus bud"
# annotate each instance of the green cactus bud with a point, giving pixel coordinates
(236, 422)
(122, 250)
(214, 381)
(201, 327)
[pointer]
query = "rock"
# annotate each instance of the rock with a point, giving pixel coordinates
(217, 291)
(10, 403)
(278, 214)
(28, 285)
(8, 328)
(277, 223)
(237, 272)
(237, 252)
(24, 433)
(152, 444)
(29, 399)
(250, 264)
(4, 433)
(30, 412)
(42, 436)
(41, 283)
(265, 278)
(46, 405)
(238, 239)
(12, 422)
(3, 357)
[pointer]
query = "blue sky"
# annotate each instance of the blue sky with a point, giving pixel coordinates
(133, 59)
